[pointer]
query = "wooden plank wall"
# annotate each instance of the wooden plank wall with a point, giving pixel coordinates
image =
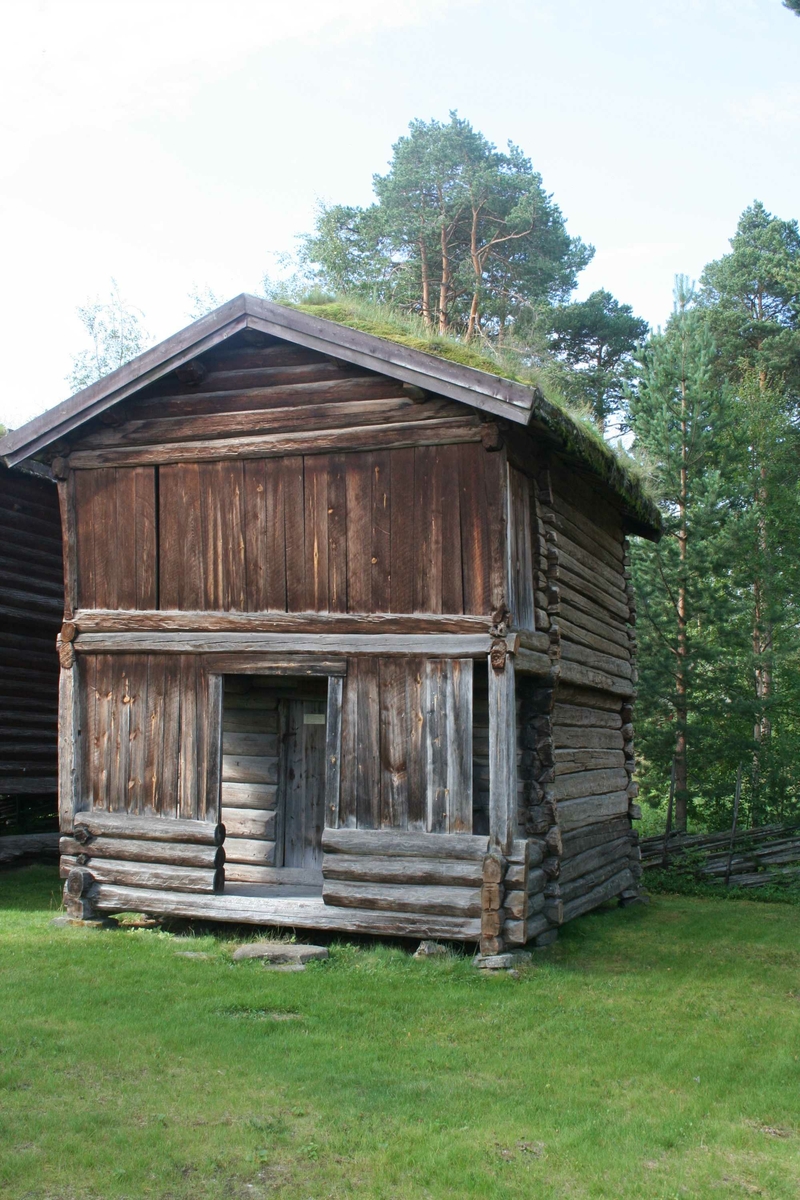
(407, 745)
(480, 749)
(361, 532)
(145, 724)
(116, 538)
(405, 529)
(520, 550)
(31, 609)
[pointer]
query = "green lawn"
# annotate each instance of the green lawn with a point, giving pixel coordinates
(651, 1053)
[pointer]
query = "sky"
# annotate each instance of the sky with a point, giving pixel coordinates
(183, 144)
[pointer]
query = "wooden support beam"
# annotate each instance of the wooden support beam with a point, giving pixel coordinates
(393, 897)
(69, 746)
(333, 750)
(440, 645)
(575, 673)
(368, 868)
(395, 436)
(598, 895)
(502, 754)
(103, 620)
(301, 913)
(174, 854)
(144, 875)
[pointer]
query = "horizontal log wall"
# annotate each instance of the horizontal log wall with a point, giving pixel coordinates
(137, 854)
(435, 875)
(31, 609)
(590, 615)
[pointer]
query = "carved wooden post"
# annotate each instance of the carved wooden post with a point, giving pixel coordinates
(502, 747)
(68, 730)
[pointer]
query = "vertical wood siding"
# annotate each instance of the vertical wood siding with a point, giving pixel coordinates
(407, 745)
(116, 537)
(411, 530)
(145, 745)
(520, 550)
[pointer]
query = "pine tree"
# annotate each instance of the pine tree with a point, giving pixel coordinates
(462, 233)
(752, 296)
(677, 415)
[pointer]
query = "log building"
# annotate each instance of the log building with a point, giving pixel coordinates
(31, 609)
(360, 612)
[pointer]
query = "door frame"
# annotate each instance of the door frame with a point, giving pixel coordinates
(218, 665)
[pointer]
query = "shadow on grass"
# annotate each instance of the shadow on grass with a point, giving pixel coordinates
(35, 887)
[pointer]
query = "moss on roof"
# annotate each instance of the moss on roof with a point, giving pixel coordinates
(383, 322)
(574, 427)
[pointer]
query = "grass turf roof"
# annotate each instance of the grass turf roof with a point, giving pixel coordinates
(575, 429)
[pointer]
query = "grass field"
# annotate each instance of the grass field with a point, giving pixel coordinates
(651, 1053)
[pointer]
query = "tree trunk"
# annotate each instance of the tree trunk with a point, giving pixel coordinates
(681, 701)
(762, 624)
(477, 267)
(444, 287)
(426, 284)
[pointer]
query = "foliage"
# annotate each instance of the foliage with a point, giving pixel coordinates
(683, 881)
(116, 335)
(568, 418)
(651, 1052)
(460, 233)
(753, 298)
(203, 300)
(719, 687)
(793, 6)
(597, 337)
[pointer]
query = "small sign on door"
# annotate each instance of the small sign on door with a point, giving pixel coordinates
(313, 718)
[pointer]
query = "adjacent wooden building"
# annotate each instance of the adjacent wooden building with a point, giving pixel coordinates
(31, 609)
(359, 613)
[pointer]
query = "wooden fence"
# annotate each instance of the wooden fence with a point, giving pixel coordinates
(760, 857)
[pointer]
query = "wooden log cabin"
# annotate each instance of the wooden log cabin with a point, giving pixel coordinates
(31, 608)
(357, 611)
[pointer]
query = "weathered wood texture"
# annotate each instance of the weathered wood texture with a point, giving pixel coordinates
(268, 480)
(31, 609)
(765, 857)
(480, 748)
(290, 913)
(148, 875)
(273, 774)
(88, 825)
(145, 741)
(407, 745)
(520, 550)
(589, 611)
(434, 874)
(396, 530)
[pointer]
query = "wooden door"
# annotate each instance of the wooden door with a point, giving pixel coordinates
(302, 783)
